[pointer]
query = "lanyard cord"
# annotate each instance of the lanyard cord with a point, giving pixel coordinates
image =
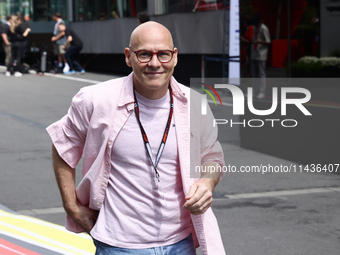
(165, 135)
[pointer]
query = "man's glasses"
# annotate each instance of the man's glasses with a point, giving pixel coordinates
(145, 56)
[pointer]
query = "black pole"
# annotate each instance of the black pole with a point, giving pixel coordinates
(289, 40)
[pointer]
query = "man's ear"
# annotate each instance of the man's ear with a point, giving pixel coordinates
(175, 56)
(127, 57)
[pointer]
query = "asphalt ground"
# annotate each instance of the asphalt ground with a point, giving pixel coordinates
(258, 214)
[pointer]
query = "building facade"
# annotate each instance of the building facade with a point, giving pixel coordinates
(105, 27)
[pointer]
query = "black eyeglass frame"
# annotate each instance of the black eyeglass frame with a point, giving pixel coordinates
(153, 53)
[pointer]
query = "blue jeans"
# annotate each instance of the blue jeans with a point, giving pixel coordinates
(183, 247)
(71, 55)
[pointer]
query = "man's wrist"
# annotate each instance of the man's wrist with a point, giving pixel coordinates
(212, 176)
(211, 182)
(71, 207)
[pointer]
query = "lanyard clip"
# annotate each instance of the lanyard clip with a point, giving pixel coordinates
(157, 175)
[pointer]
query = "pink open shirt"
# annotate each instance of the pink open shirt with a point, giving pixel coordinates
(98, 113)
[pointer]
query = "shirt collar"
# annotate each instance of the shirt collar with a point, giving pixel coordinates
(176, 89)
(126, 97)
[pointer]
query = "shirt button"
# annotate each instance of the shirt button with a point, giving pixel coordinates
(109, 143)
(103, 183)
(107, 163)
(98, 203)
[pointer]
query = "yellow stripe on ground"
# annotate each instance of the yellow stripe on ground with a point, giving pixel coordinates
(4, 213)
(46, 233)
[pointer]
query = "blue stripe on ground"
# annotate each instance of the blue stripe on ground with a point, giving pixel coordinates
(23, 120)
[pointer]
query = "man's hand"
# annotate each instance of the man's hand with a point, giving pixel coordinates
(53, 39)
(5, 39)
(199, 198)
(83, 216)
(65, 176)
(26, 32)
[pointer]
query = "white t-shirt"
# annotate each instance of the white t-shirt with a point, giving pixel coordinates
(62, 40)
(260, 51)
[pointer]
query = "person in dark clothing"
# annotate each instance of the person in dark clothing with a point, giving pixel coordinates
(143, 17)
(73, 45)
(22, 27)
(6, 43)
(16, 37)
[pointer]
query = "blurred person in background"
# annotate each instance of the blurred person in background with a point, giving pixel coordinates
(102, 16)
(73, 46)
(3, 19)
(59, 41)
(22, 27)
(16, 37)
(6, 42)
(247, 33)
(143, 17)
(114, 15)
(259, 52)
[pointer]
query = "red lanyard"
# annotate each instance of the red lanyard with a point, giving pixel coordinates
(165, 135)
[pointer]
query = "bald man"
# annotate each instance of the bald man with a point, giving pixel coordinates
(136, 195)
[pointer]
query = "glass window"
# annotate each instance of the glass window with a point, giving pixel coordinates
(59, 6)
(78, 6)
(107, 9)
(181, 6)
(27, 7)
(141, 6)
(24, 7)
(41, 10)
(103, 9)
(126, 8)
(174, 6)
(114, 12)
(90, 10)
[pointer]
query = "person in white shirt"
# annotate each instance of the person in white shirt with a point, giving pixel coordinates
(259, 52)
(59, 41)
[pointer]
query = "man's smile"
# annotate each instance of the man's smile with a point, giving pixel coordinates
(153, 74)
